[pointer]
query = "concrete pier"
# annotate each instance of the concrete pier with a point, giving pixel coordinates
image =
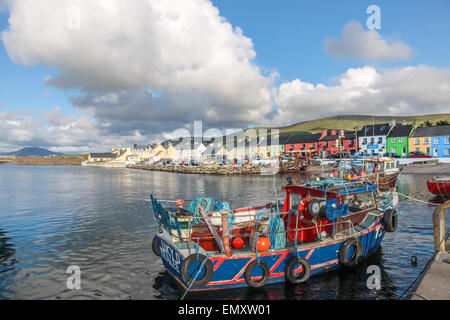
(435, 281)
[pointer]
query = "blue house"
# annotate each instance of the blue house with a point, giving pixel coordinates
(440, 141)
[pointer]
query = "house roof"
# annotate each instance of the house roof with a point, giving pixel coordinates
(303, 138)
(381, 129)
(400, 131)
(431, 131)
(106, 155)
(347, 135)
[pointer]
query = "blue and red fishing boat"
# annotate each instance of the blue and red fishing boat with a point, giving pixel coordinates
(321, 225)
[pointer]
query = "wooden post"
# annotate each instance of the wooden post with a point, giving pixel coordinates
(439, 226)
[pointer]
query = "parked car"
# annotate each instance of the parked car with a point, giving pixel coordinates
(194, 162)
(391, 155)
(418, 154)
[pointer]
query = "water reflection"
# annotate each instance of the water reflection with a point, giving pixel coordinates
(7, 252)
(97, 219)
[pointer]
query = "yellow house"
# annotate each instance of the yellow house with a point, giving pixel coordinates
(143, 153)
(171, 152)
(420, 141)
(122, 154)
(101, 157)
(164, 150)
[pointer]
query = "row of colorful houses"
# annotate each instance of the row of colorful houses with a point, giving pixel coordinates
(371, 140)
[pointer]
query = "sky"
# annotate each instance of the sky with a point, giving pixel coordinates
(84, 76)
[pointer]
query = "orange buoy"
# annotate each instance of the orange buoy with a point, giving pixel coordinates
(263, 244)
(349, 177)
(238, 243)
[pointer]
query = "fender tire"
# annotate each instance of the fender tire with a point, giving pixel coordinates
(203, 280)
(390, 220)
(248, 274)
(155, 246)
(289, 270)
(343, 252)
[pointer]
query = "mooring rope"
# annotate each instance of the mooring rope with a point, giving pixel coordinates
(418, 200)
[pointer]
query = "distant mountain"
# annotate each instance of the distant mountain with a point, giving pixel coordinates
(28, 152)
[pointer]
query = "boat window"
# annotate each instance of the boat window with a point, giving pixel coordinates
(295, 200)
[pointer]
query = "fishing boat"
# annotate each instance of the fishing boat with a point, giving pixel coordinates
(439, 186)
(383, 172)
(293, 166)
(320, 226)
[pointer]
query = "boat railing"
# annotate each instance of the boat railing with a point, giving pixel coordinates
(257, 225)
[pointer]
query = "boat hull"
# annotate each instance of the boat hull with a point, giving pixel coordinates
(385, 181)
(229, 271)
(439, 188)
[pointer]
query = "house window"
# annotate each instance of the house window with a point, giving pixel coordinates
(428, 151)
(400, 140)
(291, 147)
(394, 150)
(447, 152)
(425, 140)
(393, 140)
(313, 146)
(380, 140)
(417, 141)
(418, 149)
(436, 140)
(364, 140)
(447, 140)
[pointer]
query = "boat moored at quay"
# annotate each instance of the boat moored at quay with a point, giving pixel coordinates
(321, 225)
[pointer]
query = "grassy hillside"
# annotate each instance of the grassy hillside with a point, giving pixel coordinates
(349, 122)
(51, 160)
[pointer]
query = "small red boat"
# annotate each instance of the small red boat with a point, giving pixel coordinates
(439, 186)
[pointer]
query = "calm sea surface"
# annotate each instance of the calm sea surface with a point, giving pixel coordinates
(52, 217)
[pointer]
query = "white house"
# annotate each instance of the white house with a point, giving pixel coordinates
(372, 139)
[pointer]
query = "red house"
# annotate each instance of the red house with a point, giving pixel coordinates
(336, 141)
(303, 144)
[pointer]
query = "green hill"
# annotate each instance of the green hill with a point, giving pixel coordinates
(349, 122)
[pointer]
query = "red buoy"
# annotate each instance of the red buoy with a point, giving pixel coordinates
(238, 243)
(263, 244)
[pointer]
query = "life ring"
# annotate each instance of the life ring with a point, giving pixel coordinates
(390, 220)
(352, 261)
(313, 208)
(155, 246)
(204, 277)
(248, 274)
(291, 267)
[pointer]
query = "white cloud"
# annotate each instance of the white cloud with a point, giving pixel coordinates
(366, 45)
(59, 132)
(145, 68)
(184, 50)
(403, 91)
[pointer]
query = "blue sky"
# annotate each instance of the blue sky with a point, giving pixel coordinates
(289, 35)
(288, 38)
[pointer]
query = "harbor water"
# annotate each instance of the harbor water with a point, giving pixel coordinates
(54, 217)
